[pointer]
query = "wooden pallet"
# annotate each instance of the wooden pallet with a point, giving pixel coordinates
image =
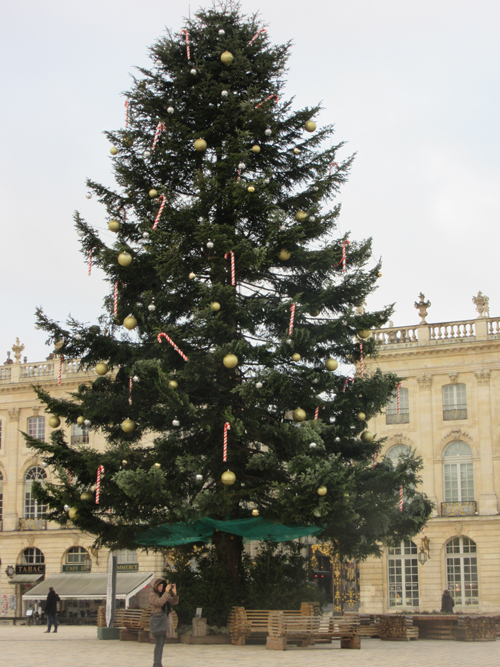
(394, 627)
(475, 629)
(252, 624)
(298, 629)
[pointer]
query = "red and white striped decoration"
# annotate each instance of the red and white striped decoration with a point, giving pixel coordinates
(90, 261)
(374, 459)
(233, 268)
(333, 164)
(162, 206)
(59, 372)
(69, 476)
(167, 338)
(115, 298)
(276, 97)
(398, 401)
(361, 360)
(401, 498)
(130, 385)
(316, 414)
(292, 318)
(346, 382)
(159, 129)
(256, 35)
(239, 176)
(127, 104)
(343, 260)
(188, 50)
(100, 471)
(227, 427)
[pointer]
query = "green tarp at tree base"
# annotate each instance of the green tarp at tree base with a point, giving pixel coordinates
(258, 529)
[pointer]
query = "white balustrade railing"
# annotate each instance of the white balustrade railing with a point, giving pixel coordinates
(11, 373)
(447, 330)
(494, 326)
(396, 335)
(36, 370)
(5, 373)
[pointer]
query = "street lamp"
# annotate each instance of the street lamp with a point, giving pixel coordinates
(422, 556)
(425, 546)
(87, 563)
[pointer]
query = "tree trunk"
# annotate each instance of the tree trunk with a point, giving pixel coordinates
(229, 549)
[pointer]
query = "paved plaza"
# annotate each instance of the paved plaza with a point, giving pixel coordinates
(22, 646)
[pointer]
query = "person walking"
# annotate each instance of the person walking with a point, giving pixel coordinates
(161, 597)
(447, 602)
(51, 609)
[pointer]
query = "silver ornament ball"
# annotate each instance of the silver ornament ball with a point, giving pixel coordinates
(199, 478)
(268, 132)
(193, 72)
(136, 378)
(224, 93)
(158, 63)
(175, 422)
(66, 508)
(78, 336)
(241, 165)
(210, 244)
(312, 445)
(152, 307)
(89, 195)
(258, 385)
(170, 110)
(211, 350)
(87, 423)
(147, 154)
(222, 32)
(312, 218)
(145, 235)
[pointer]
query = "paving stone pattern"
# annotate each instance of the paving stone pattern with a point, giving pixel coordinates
(23, 646)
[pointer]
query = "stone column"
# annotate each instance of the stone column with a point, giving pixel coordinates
(10, 509)
(426, 436)
(488, 503)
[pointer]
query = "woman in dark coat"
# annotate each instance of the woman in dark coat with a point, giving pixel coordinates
(51, 609)
(161, 597)
(447, 602)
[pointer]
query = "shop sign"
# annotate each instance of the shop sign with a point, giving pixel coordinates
(76, 568)
(127, 567)
(30, 569)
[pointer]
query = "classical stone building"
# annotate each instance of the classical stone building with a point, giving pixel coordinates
(32, 548)
(449, 414)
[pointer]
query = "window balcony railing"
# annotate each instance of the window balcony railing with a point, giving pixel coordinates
(455, 413)
(83, 439)
(464, 508)
(402, 418)
(32, 524)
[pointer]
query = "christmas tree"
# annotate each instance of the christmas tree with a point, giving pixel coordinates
(233, 309)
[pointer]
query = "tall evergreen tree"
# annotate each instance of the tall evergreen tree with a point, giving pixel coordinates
(215, 166)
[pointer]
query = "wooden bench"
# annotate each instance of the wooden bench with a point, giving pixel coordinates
(145, 635)
(253, 624)
(134, 623)
(284, 628)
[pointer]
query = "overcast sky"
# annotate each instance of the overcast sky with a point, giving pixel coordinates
(413, 87)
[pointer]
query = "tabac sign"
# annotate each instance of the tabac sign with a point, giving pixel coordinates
(30, 569)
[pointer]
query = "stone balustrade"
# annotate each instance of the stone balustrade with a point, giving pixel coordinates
(446, 330)
(439, 333)
(46, 370)
(396, 335)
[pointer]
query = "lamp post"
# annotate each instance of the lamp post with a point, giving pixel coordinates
(87, 563)
(425, 546)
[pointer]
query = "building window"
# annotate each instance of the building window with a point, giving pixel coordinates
(458, 473)
(454, 402)
(80, 435)
(403, 575)
(125, 556)
(396, 452)
(36, 427)
(1, 499)
(76, 556)
(391, 410)
(32, 556)
(461, 571)
(33, 509)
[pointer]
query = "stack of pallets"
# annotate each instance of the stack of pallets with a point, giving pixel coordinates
(475, 629)
(393, 627)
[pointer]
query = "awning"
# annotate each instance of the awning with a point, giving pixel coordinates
(89, 586)
(25, 578)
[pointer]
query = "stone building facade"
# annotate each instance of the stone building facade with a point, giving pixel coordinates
(32, 548)
(449, 414)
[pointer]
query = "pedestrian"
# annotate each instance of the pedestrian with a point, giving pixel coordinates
(161, 597)
(447, 602)
(51, 609)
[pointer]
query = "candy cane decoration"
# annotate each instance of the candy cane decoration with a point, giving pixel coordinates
(59, 373)
(256, 35)
(130, 385)
(69, 475)
(374, 459)
(227, 427)
(239, 176)
(100, 471)
(333, 164)
(398, 402)
(90, 261)
(127, 103)
(188, 51)
(346, 382)
(162, 206)
(164, 335)
(316, 414)
(401, 498)
(233, 271)
(343, 260)
(115, 298)
(267, 98)
(361, 360)
(159, 129)
(292, 317)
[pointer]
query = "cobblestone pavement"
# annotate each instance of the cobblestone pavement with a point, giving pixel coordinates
(22, 646)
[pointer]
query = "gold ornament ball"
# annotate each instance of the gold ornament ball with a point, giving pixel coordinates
(230, 361)
(73, 512)
(255, 149)
(54, 421)
(200, 145)
(80, 420)
(173, 384)
(227, 57)
(310, 126)
(128, 426)
(296, 356)
(228, 478)
(124, 462)
(124, 259)
(157, 465)
(284, 254)
(251, 188)
(215, 306)
(364, 334)
(331, 364)
(296, 151)
(130, 322)
(299, 415)
(322, 491)
(361, 416)
(153, 193)
(300, 216)
(87, 495)
(101, 369)
(113, 225)
(379, 274)
(255, 512)
(192, 275)
(367, 437)
(113, 150)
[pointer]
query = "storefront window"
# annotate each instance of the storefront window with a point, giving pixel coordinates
(76, 556)
(32, 556)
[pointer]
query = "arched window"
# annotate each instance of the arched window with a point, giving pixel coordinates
(461, 571)
(36, 427)
(32, 508)
(32, 556)
(458, 472)
(394, 453)
(127, 560)
(76, 556)
(454, 402)
(1, 499)
(403, 575)
(391, 409)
